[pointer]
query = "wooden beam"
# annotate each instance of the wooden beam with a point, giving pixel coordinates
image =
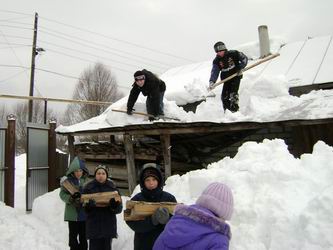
(71, 150)
(104, 156)
(130, 162)
(165, 142)
(52, 178)
(9, 195)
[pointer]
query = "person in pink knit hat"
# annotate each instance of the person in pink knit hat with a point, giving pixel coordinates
(202, 225)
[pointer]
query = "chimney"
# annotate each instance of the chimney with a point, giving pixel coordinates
(263, 41)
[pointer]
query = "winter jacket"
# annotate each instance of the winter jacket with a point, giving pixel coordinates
(232, 62)
(145, 232)
(74, 211)
(152, 88)
(101, 221)
(194, 227)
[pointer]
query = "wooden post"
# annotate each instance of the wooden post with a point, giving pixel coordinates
(52, 182)
(165, 142)
(129, 151)
(70, 139)
(10, 162)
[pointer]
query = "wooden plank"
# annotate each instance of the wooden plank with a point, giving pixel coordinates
(138, 210)
(130, 162)
(102, 199)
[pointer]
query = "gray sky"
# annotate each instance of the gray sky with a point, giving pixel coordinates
(130, 35)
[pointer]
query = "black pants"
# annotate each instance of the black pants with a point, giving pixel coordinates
(100, 244)
(150, 104)
(229, 95)
(77, 228)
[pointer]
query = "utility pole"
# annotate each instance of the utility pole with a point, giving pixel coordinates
(32, 74)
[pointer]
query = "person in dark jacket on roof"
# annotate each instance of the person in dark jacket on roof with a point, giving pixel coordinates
(147, 230)
(77, 174)
(149, 85)
(101, 221)
(200, 226)
(228, 62)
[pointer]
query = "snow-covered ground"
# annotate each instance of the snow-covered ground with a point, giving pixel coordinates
(281, 202)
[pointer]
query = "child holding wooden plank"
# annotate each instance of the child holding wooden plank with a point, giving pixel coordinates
(147, 230)
(101, 220)
(77, 176)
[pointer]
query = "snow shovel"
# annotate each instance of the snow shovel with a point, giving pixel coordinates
(265, 59)
(145, 114)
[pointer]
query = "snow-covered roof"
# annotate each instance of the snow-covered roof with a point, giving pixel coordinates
(263, 92)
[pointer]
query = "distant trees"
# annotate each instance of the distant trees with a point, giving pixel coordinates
(96, 83)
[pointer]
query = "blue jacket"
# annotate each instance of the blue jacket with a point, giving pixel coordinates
(194, 227)
(232, 62)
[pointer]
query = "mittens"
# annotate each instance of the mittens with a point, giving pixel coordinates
(160, 216)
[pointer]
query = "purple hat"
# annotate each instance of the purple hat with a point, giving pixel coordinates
(217, 197)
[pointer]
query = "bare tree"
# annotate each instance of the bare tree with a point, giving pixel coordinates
(3, 115)
(96, 83)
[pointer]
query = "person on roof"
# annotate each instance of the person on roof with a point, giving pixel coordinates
(200, 226)
(147, 230)
(151, 86)
(228, 62)
(77, 175)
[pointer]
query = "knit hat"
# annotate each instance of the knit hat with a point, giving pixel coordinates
(217, 197)
(101, 167)
(139, 75)
(219, 46)
(151, 172)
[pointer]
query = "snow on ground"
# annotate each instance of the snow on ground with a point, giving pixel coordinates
(281, 202)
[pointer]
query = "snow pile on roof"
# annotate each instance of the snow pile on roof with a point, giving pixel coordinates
(263, 90)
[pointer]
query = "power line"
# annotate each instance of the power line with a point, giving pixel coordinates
(15, 27)
(51, 72)
(98, 44)
(119, 40)
(13, 76)
(86, 53)
(87, 60)
(15, 12)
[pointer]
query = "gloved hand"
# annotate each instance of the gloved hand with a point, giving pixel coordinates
(129, 111)
(160, 216)
(90, 204)
(62, 180)
(210, 86)
(240, 73)
(76, 195)
(113, 203)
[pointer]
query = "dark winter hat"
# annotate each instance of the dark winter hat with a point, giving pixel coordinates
(219, 46)
(151, 172)
(139, 75)
(101, 167)
(217, 197)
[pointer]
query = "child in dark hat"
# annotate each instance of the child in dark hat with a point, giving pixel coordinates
(101, 221)
(147, 230)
